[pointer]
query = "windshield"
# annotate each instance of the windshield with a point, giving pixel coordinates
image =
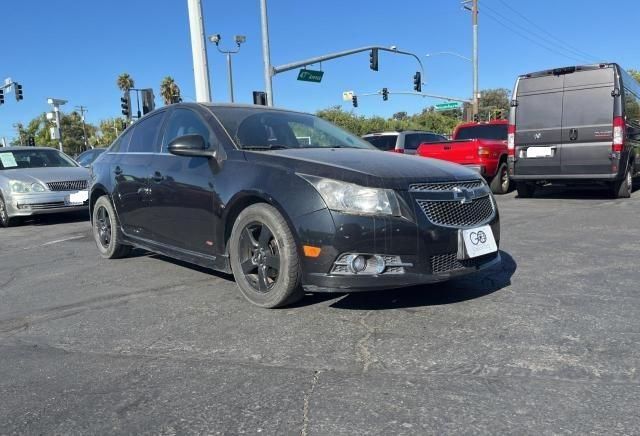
(486, 131)
(36, 158)
(260, 129)
(383, 142)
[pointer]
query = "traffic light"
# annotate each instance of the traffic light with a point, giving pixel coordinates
(498, 114)
(417, 81)
(125, 103)
(385, 94)
(354, 100)
(31, 141)
(476, 118)
(1, 96)
(260, 98)
(373, 59)
(148, 101)
(18, 92)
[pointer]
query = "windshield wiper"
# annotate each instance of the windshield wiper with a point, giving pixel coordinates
(264, 147)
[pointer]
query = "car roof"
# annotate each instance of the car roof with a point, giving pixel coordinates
(24, 147)
(399, 132)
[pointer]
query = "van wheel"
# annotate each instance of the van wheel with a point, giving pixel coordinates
(525, 190)
(500, 183)
(264, 257)
(623, 188)
(105, 230)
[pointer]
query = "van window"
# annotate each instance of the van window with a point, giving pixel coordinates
(631, 107)
(589, 106)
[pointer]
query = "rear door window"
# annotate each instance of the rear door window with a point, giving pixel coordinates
(383, 142)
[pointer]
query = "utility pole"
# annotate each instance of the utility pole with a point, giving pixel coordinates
(266, 52)
(82, 110)
(199, 52)
(474, 20)
(19, 130)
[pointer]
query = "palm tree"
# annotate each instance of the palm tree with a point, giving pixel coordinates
(125, 82)
(170, 91)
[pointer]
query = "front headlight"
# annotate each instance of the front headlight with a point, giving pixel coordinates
(22, 188)
(356, 199)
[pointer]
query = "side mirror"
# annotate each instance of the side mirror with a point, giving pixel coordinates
(190, 145)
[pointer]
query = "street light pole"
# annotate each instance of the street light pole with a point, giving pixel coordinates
(266, 53)
(239, 39)
(474, 15)
(199, 52)
(82, 110)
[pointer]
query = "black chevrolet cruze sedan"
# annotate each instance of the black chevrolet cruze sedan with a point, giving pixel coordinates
(287, 202)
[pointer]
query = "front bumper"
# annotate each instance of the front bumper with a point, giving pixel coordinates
(430, 249)
(40, 203)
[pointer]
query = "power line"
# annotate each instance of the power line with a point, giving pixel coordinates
(551, 38)
(515, 30)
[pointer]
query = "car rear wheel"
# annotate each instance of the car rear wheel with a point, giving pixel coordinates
(525, 190)
(5, 221)
(105, 230)
(500, 183)
(264, 257)
(624, 188)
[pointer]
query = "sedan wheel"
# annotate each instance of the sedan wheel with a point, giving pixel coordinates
(264, 257)
(5, 221)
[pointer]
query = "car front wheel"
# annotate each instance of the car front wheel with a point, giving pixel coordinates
(264, 257)
(5, 221)
(105, 230)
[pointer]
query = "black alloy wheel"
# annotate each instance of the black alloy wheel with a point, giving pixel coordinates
(103, 226)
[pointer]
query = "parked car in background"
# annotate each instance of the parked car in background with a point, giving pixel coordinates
(232, 188)
(575, 125)
(406, 141)
(479, 146)
(39, 180)
(86, 158)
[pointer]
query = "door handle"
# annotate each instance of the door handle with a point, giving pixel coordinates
(157, 177)
(573, 134)
(117, 171)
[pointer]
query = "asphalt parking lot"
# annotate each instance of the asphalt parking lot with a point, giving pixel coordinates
(545, 343)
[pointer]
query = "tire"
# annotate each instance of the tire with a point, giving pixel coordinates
(500, 183)
(264, 257)
(624, 187)
(525, 190)
(5, 221)
(105, 230)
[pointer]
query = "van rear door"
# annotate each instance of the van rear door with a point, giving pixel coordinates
(587, 122)
(538, 118)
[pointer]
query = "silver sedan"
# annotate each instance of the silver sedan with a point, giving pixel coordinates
(39, 180)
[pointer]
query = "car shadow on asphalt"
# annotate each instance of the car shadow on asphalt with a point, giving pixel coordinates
(577, 192)
(456, 290)
(55, 219)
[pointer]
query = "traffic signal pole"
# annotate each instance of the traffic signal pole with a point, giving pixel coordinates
(474, 18)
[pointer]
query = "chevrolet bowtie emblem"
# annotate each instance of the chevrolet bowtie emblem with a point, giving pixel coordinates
(463, 194)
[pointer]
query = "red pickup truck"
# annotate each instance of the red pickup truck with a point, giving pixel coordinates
(481, 146)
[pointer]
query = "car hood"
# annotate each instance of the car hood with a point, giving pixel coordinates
(364, 167)
(46, 175)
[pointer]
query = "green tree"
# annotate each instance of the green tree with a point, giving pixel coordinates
(72, 133)
(492, 100)
(108, 130)
(169, 90)
(125, 82)
(635, 74)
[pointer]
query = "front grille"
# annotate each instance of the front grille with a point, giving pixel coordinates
(71, 185)
(458, 214)
(444, 263)
(445, 186)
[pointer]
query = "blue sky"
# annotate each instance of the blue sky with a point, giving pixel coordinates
(75, 50)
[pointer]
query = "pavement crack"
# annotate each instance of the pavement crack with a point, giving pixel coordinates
(364, 354)
(305, 408)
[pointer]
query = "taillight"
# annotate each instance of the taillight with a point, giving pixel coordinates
(618, 134)
(483, 151)
(398, 150)
(511, 140)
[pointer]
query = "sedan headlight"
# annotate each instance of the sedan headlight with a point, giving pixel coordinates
(355, 199)
(22, 187)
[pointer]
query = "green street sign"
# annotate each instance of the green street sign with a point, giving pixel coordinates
(451, 105)
(310, 75)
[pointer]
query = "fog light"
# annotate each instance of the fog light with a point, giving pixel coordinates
(357, 264)
(379, 264)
